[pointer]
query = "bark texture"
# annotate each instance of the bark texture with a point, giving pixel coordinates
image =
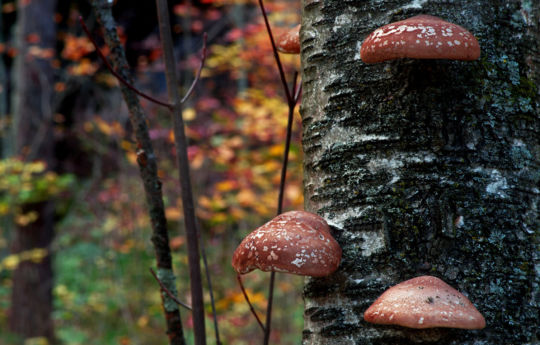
(424, 167)
(147, 161)
(31, 301)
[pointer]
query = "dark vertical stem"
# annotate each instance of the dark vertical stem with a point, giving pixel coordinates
(286, 149)
(148, 171)
(6, 140)
(185, 180)
(292, 103)
(268, 325)
(211, 292)
(276, 55)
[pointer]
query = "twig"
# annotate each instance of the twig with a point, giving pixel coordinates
(246, 297)
(118, 76)
(267, 328)
(279, 210)
(298, 93)
(173, 297)
(211, 292)
(180, 142)
(198, 76)
(286, 149)
(292, 97)
(148, 171)
(276, 55)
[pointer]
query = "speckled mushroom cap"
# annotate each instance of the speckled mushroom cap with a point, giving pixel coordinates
(295, 242)
(289, 41)
(424, 302)
(420, 37)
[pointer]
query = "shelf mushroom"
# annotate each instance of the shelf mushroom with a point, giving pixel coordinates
(420, 37)
(424, 302)
(296, 242)
(289, 41)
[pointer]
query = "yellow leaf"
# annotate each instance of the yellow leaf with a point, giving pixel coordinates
(61, 290)
(246, 197)
(226, 186)
(277, 150)
(36, 341)
(132, 157)
(256, 298)
(110, 224)
(10, 262)
(189, 114)
(237, 213)
(103, 126)
(37, 167)
(173, 213)
(34, 255)
(26, 218)
(142, 321)
(4, 209)
(126, 145)
(205, 201)
(261, 209)
(219, 217)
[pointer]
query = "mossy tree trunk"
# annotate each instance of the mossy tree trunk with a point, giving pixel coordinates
(424, 167)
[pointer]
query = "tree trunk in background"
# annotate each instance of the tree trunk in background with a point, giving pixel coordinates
(30, 312)
(424, 167)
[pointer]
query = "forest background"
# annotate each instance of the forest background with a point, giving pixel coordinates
(103, 291)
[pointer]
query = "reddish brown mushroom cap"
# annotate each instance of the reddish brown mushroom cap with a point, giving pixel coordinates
(420, 37)
(289, 41)
(424, 302)
(295, 242)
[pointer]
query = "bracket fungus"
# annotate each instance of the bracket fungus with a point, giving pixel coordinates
(296, 242)
(289, 41)
(424, 302)
(420, 37)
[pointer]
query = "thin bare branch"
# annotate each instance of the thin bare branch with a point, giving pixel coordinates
(118, 76)
(198, 76)
(286, 151)
(294, 84)
(297, 88)
(298, 93)
(148, 171)
(180, 144)
(210, 291)
(173, 297)
(246, 297)
(279, 211)
(276, 55)
(292, 98)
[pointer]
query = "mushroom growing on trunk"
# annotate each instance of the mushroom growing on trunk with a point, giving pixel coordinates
(289, 41)
(424, 302)
(296, 242)
(420, 37)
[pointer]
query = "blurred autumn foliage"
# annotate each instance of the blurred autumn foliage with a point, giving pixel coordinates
(236, 119)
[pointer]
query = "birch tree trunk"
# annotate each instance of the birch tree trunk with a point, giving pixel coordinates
(424, 167)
